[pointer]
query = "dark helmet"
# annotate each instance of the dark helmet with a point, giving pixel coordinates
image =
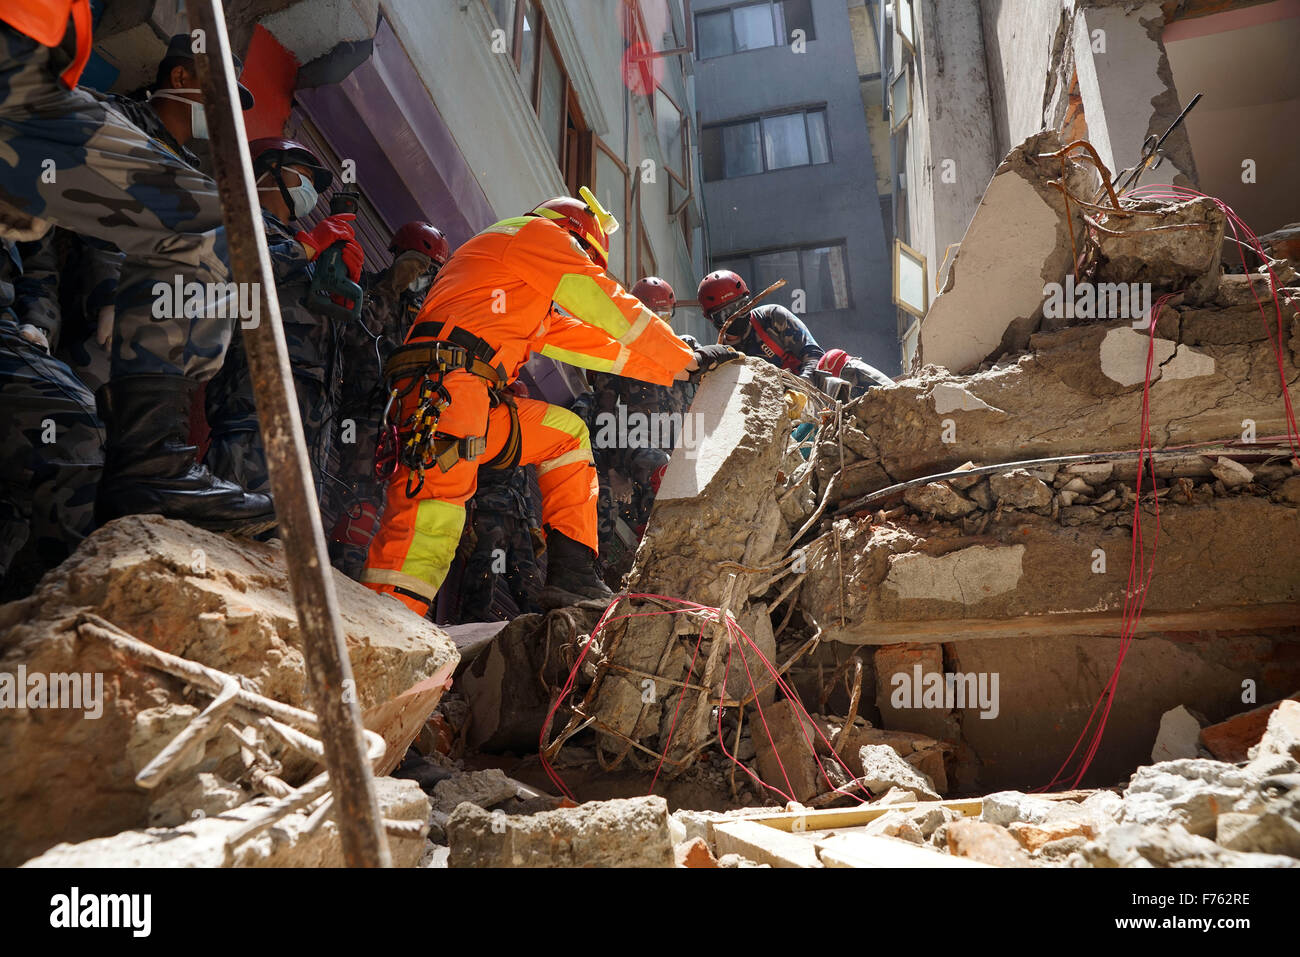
(273, 153)
(718, 290)
(424, 238)
(656, 294)
(585, 219)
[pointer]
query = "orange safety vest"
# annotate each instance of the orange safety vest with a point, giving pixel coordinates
(503, 286)
(46, 22)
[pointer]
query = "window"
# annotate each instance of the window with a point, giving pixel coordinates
(503, 11)
(526, 55)
(909, 279)
(752, 26)
(611, 189)
(900, 100)
(816, 276)
(550, 100)
(668, 120)
(767, 143)
(533, 53)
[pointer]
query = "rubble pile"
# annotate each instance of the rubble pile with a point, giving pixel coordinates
(69, 772)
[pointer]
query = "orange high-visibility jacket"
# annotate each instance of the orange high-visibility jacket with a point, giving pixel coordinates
(501, 286)
(46, 21)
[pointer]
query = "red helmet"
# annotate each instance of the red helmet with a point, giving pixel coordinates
(423, 238)
(273, 153)
(720, 288)
(583, 222)
(656, 294)
(833, 361)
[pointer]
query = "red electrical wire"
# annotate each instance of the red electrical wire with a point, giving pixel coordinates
(1139, 569)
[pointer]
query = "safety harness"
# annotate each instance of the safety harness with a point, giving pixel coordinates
(415, 441)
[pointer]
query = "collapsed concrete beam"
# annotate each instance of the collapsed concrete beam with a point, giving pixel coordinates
(1018, 240)
(219, 601)
(716, 514)
(630, 832)
(1079, 390)
(1227, 564)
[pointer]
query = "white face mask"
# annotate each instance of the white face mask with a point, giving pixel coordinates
(304, 196)
(198, 117)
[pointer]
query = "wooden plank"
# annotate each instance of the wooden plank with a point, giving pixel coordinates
(765, 845)
(848, 849)
(841, 817)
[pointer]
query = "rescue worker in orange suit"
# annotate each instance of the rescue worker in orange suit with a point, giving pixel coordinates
(530, 284)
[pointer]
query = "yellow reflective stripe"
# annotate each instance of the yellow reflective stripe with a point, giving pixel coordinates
(562, 420)
(638, 327)
(581, 295)
(416, 586)
(579, 359)
(624, 353)
(568, 458)
(509, 226)
(433, 545)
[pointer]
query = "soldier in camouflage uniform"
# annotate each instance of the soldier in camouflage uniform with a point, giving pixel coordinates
(393, 298)
(67, 159)
(290, 179)
(77, 275)
(499, 545)
(52, 444)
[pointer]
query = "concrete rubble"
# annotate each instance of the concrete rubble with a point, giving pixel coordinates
(210, 599)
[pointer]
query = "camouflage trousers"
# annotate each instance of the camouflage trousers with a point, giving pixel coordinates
(52, 445)
(236, 452)
(68, 159)
(501, 564)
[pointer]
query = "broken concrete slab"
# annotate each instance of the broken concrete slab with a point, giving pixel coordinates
(631, 832)
(1281, 738)
(864, 850)
(485, 789)
(1030, 576)
(1191, 792)
(1019, 239)
(986, 843)
(223, 602)
(288, 843)
(1138, 845)
(1077, 391)
(1178, 737)
(1172, 246)
(882, 769)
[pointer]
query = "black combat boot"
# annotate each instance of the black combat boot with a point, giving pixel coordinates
(150, 467)
(571, 575)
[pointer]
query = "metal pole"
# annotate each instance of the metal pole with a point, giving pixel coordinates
(329, 673)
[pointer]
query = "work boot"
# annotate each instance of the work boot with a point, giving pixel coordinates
(150, 468)
(571, 575)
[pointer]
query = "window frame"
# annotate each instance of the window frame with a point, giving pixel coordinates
(731, 259)
(781, 37)
(901, 248)
(802, 111)
(624, 169)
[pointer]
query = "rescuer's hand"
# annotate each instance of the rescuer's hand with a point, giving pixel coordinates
(709, 357)
(331, 230)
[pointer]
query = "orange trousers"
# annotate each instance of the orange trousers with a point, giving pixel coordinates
(417, 539)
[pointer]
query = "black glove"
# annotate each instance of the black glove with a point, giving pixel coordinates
(708, 357)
